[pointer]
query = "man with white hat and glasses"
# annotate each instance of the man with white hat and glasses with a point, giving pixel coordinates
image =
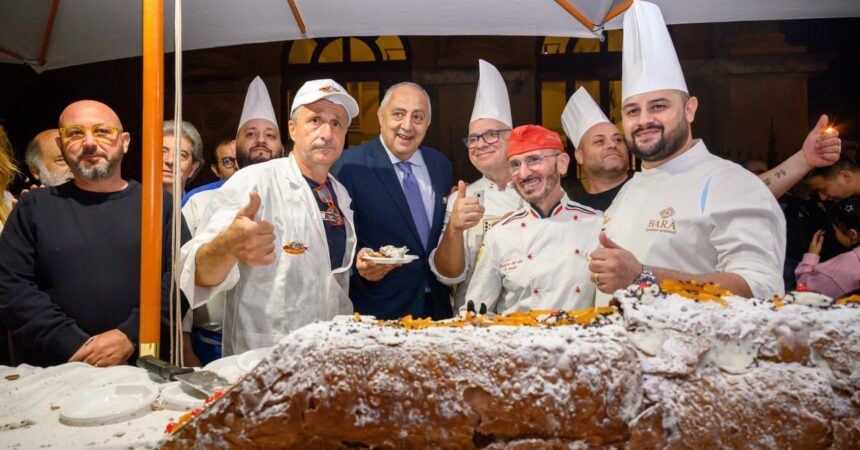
(688, 214)
(278, 236)
(472, 210)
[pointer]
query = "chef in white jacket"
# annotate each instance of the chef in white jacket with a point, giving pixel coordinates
(258, 139)
(278, 237)
(536, 256)
(688, 214)
(473, 209)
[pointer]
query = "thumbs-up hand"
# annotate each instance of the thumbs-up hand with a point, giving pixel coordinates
(613, 267)
(249, 240)
(822, 146)
(467, 211)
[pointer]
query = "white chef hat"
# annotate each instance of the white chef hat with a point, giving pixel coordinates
(649, 62)
(326, 89)
(491, 101)
(258, 105)
(579, 115)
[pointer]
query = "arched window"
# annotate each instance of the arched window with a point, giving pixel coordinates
(365, 65)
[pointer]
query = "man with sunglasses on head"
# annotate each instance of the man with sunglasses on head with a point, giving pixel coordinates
(473, 209)
(536, 256)
(278, 236)
(70, 264)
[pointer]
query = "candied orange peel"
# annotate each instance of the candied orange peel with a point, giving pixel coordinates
(854, 298)
(708, 292)
(534, 318)
(777, 302)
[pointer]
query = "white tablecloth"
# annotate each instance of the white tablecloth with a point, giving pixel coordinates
(30, 416)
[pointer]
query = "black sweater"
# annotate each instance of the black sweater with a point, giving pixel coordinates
(70, 269)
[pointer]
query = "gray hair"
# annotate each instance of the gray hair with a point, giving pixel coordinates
(189, 131)
(391, 89)
(33, 154)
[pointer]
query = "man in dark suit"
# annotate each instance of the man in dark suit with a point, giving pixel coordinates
(397, 189)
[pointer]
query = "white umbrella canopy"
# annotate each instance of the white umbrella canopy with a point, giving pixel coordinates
(86, 31)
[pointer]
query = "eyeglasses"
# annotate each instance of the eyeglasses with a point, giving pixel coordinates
(101, 132)
(489, 136)
(332, 214)
(530, 161)
(227, 161)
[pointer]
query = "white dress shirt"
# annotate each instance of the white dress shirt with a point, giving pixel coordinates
(422, 175)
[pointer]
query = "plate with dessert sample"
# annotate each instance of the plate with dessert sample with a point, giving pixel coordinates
(389, 254)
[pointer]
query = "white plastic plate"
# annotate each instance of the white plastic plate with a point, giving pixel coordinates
(110, 404)
(226, 367)
(404, 260)
(179, 397)
(248, 360)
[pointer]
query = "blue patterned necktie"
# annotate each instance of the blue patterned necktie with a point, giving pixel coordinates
(416, 203)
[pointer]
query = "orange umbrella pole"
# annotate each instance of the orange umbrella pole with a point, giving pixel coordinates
(150, 214)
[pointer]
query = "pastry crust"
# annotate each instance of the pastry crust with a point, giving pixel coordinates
(353, 383)
(676, 373)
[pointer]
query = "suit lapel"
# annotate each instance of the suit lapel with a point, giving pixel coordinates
(384, 170)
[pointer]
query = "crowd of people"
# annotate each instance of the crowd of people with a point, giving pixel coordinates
(282, 238)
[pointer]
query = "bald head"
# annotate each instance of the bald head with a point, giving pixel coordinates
(88, 113)
(92, 143)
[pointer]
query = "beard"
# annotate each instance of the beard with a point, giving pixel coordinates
(245, 159)
(98, 172)
(550, 182)
(49, 179)
(668, 144)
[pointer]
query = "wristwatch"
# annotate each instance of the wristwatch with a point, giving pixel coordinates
(647, 275)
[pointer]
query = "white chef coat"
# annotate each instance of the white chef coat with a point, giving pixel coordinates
(699, 213)
(535, 262)
(264, 303)
(496, 204)
(209, 315)
(195, 207)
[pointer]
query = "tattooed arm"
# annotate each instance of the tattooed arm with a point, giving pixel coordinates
(821, 148)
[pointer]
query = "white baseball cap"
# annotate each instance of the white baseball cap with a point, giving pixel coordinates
(327, 89)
